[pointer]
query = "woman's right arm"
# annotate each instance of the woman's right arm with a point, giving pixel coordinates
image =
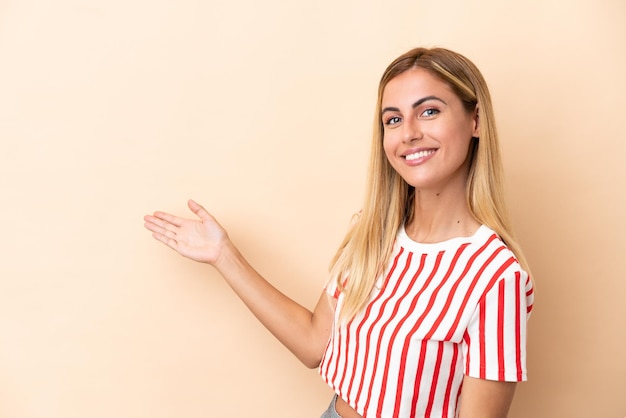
(303, 332)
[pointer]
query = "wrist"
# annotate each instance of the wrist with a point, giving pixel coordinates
(228, 257)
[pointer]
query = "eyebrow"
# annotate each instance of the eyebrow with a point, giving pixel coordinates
(414, 105)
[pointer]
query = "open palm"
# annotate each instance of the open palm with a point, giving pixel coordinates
(198, 239)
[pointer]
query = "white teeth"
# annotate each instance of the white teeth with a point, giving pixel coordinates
(419, 154)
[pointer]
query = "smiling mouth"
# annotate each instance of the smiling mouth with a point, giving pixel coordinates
(419, 154)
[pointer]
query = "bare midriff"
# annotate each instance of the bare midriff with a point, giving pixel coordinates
(344, 410)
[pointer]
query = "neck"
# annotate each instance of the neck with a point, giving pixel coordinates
(439, 216)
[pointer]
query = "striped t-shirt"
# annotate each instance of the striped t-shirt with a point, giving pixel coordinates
(440, 311)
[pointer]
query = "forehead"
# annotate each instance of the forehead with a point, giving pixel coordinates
(412, 85)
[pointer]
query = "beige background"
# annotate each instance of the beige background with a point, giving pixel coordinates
(262, 111)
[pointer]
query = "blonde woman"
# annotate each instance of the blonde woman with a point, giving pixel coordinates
(425, 312)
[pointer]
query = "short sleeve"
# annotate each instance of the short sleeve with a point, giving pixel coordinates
(494, 344)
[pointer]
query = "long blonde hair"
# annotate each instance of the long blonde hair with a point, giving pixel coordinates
(366, 248)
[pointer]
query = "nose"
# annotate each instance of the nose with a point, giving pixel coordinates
(411, 130)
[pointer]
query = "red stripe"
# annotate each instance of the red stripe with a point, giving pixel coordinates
(468, 344)
(500, 330)
(386, 324)
(326, 359)
(472, 286)
(433, 384)
(418, 378)
(452, 293)
(395, 333)
(400, 379)
(343, 356)
(421, 319)
(529, 292)
(481, 319)
(368, 311)
(382, 330)
(518, 325)
(451, 375)
(481, 337)
(338, 355)
(444, 312)
(336, 358)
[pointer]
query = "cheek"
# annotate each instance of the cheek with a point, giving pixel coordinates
(389, 146)
(386, 147)
(460, 137)
(388, 150)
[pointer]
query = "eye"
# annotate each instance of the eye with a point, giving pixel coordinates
(392, 120)
(430, 112)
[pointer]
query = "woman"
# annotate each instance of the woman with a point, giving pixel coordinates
(429, 292)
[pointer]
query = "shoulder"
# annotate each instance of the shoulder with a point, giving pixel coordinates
(503, 274)
(492, 261)
(489, 242)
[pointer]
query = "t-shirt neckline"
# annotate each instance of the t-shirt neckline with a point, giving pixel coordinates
(406, 241)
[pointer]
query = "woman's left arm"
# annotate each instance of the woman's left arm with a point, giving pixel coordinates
(482, 398)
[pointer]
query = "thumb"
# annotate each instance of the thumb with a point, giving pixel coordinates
(198, 210)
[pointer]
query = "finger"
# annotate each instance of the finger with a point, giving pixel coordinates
(174, 220)
(170, 242)
(157, 225)
(170, 234)
(199, 210)
(151, 224)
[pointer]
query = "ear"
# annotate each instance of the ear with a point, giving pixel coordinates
(476, 130)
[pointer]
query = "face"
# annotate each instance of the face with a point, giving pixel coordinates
(426, 131)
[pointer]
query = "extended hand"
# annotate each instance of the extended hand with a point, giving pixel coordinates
(200, 239)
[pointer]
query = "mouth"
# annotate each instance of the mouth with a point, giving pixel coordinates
(419, 154)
